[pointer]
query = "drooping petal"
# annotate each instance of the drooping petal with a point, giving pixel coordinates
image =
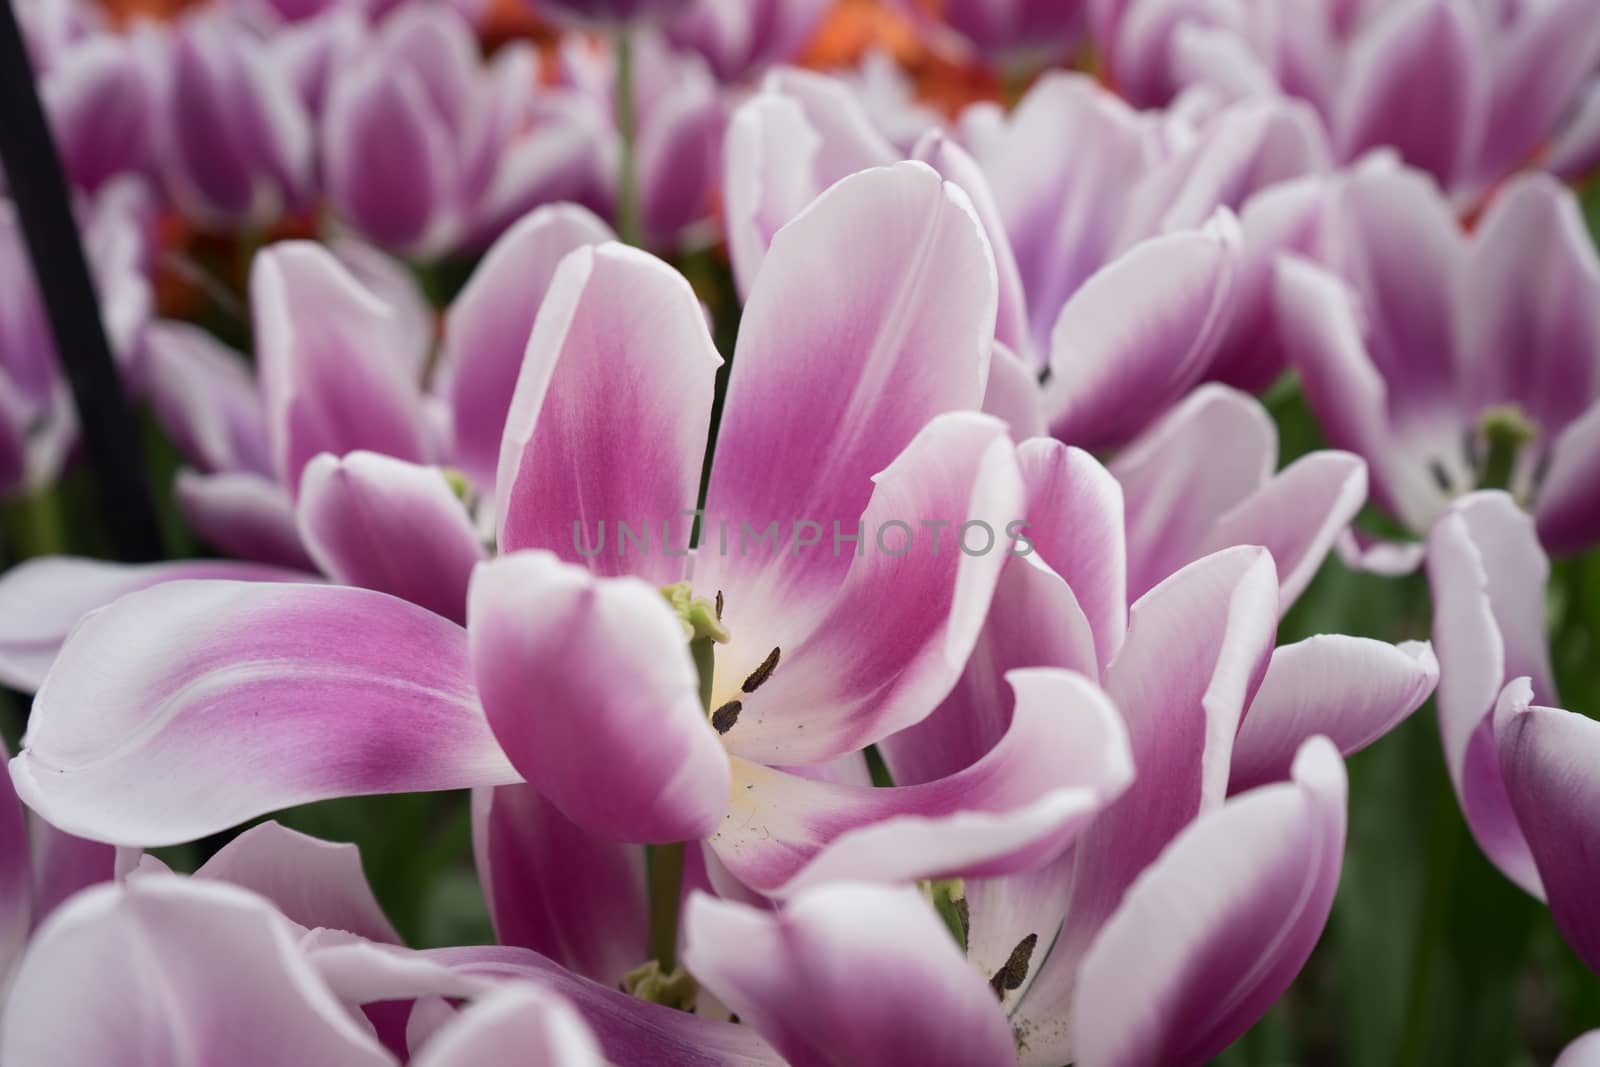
(328, 381)
(849, 974)
(174, 970)
(1488, 575)
(1075, 523)
(1416, 81)
(1530, 309)
(519, 1024)
(1182, 475)
(244, 515)
(312, 882)
(817, 405)
(1140, 333)
(1216, 929)
(1546, 756)
(588, 684)
(558, 889)
(487, 327)
(183, 709)
(608, 424)
(42, 599)
(389, 525)
(1352, 690)
(1063, 759)
(892, 640)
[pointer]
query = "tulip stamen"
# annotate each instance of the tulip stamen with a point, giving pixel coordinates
(724, 717)
(763, 672)
(1012, 973)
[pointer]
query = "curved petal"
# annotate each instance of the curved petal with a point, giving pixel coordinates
(817, 405)
(41, 600)
(311, 882)
(205, 396)
(1546, 757)
(1488, 575)
(389, 525)
(172, 970)
(16, 880)
(1013, 395)
(1538, 67)
(184, 709)
(63, 865)
(1035, 621)
(486, 329)
(892, 641)
(1566, 510)
(608, 424)
(1530, 306)
(328, 382)
(1416, 81)
(1297, 516)
(1140, 333)
(558, 889)
(1063, 758)
(1216, 929)
(1352, 690)
(1075, 523)
(944, 155)
(1583, 1051)
(849, 974)
(519, 1024)
(589, 685)
(1360, 551)
(244, 515)
(1185, 473)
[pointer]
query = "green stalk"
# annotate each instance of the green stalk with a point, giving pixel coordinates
(628, 180)
(37, 525)
(666, 884)
(1446, 831)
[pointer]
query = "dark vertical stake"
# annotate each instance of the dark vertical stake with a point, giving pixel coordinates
(44, 212)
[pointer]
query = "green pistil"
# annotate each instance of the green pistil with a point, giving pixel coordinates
(702, 628)
(674, 989)
(949, 898)
(1504, 431)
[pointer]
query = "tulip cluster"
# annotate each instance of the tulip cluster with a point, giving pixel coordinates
(833, 533)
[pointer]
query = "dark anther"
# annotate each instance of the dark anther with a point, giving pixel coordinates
(724, 717)
(964, 913)
(1441, 477)
(719, 605)
(762, 673)
(1015, 970)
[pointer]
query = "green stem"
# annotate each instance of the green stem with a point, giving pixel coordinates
(666, 882)
(37, 526)
(628, 180)
(703, 652)
(1446, 830)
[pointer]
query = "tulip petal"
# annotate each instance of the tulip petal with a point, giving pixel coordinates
(1416, 81)
(1140, 332)
(1352, 690)
(389, 525)
(312, 882)
(327, 386)
(519, 1024)
(1488, 575)
(848, 974)
(205, 396)
(16, 880)
(189, 707)
(609, 421)
(1546, 756)
(1063, 758)
(558, 889)
(589, 685)
(1182, 475)
(173, 970)
(1538, 68)
(244, 515)
(1583, 1051)
(1217, 927)
(1013, 395)
(809, 417)
(893, 640)
(1569, 520)
(1075, 523)
(42, 599)
(487, 327)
